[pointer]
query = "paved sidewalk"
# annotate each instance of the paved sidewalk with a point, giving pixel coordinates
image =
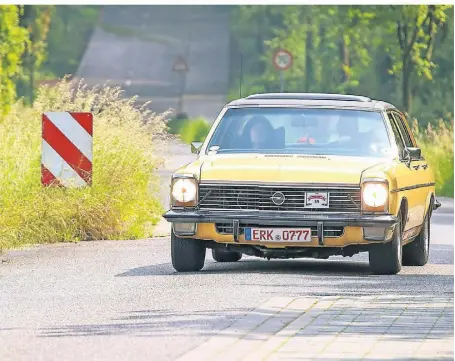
(337, 328)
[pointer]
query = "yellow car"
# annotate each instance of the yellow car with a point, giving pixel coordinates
(304, 175)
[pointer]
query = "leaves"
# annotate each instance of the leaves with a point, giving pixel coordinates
(12, 46)
(388, 52)
(36, 20)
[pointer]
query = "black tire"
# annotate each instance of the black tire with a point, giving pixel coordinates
(416, 253)
(220, 255)
(188, 255)
(386, 258)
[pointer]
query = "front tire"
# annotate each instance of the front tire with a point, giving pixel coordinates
(386, 259)
(188, 255)
(416, 253)
(220, 255)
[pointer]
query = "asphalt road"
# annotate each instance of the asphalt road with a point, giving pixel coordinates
(123, 301)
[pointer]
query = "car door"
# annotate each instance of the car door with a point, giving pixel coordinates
(405, 177)
(422, 176)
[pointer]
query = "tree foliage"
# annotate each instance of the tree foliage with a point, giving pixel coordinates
(394, 53)
(36, 20)
(416, 30)
(12, 46)
(69, 34)
(28, 34)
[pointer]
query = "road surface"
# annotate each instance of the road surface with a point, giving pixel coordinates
(122, 300)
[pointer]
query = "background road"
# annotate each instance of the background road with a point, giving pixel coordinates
(122, 300)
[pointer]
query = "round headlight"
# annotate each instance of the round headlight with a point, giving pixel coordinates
(184, 190)
(375, 195)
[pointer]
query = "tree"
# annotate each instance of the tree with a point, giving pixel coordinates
(400, 54)
(12, 46)
(416, 30)
(36, 20)
(70, 30)
(329, 44)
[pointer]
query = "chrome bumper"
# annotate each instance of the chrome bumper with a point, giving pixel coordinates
(272, 218)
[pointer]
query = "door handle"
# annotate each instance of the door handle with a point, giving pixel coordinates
(425, 166)
(416, 167)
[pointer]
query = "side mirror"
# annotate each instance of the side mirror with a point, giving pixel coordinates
(196, 147)
(414, 153)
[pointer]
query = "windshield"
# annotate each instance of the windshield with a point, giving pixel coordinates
(301, 131)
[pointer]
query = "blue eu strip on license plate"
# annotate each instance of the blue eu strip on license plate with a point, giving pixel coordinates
(278, 234)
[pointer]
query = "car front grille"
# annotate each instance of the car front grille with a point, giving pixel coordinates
(226, 228)
(259, 197)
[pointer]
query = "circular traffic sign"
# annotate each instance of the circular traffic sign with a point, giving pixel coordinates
(282, 59)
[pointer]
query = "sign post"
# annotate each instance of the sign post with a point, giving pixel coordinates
(181, 67)
(282, 60)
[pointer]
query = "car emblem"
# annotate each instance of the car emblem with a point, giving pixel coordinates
(278, 198)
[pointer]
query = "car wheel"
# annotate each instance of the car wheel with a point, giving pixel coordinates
(386, 258)
(416, 253)
(188, 255)
(220, 255)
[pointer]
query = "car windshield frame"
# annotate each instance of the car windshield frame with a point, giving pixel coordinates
(207, 144)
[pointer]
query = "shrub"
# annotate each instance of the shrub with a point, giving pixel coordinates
(120, 204)
(175, 124)
(437, 147)
(193, 130)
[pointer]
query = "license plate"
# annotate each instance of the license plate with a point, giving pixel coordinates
(278, 234)
(316, 200)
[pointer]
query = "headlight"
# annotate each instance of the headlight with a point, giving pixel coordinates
(184, 192)
(374, 196)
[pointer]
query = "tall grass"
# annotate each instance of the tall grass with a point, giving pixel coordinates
(436, 142)
(120, 204)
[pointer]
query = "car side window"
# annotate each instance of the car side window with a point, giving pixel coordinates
(396, 133)
(403, 130)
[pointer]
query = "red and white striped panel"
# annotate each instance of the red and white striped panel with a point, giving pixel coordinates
(67, 149)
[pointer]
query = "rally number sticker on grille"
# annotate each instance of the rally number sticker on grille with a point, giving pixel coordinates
(316, 200)
(278, 234)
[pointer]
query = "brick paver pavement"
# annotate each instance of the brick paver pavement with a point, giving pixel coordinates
(337, 328)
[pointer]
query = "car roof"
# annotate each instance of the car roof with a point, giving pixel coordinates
(312, 100)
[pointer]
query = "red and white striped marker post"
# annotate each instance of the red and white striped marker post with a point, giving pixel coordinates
(67, 149)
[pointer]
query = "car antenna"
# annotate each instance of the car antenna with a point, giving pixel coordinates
(241, 72)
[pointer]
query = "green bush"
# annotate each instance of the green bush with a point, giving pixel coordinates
(437, 147)
(175, 124)
(121, 204)
(190, 130)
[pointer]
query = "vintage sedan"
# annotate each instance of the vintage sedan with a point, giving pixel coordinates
(304, 175)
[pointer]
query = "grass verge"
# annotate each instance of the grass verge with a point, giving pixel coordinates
(436, 142)
(122, 202)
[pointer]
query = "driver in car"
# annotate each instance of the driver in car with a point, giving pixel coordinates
(260, 132)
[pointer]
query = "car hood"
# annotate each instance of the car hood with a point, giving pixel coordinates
(286, 168)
